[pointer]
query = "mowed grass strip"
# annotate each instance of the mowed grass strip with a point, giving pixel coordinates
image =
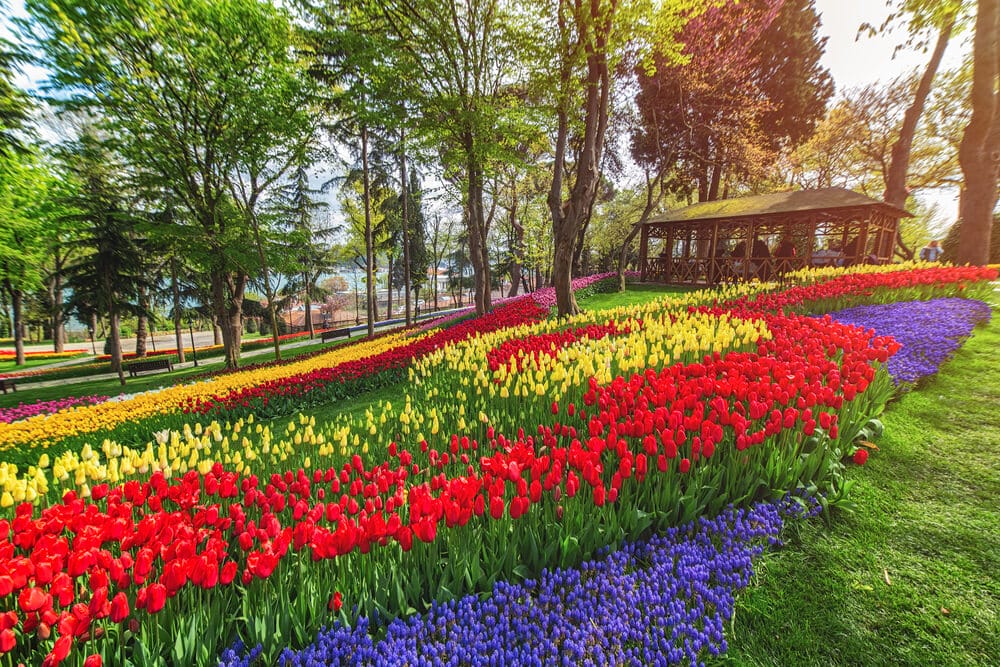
(912, 577)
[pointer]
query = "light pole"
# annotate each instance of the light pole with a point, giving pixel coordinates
(194, 350)
(93, 347)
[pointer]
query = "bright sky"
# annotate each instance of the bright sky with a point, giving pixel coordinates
(852, 62)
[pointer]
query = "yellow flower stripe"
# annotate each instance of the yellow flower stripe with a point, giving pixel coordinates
(458, 394)
(814, 274)
(43, 430)
(244, 446)
(457, 378)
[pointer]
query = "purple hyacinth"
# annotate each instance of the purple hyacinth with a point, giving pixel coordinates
(658, 602)
(929, 331)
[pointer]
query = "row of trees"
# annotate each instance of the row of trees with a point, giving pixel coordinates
(209, 115)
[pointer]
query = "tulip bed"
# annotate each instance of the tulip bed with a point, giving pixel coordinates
(523, 443)
(28, 410)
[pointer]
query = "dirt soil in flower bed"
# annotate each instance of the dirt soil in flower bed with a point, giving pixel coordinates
(913, 576)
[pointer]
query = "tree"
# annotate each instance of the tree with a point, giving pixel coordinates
(108, 277)
(979, 153)
(192, 88)
(298, 204)
(924, 16)
(264, 164)
(852, 146)
(15, 106)
(22, 234)
(441, 241)
(590, 42)
(479, 93)
(411, 273)
(367, 226)
(351, 56)
(585, 41)
(750, 85)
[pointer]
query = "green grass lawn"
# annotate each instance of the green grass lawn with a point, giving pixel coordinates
(913, 576)
(29, 363)
(635, 294)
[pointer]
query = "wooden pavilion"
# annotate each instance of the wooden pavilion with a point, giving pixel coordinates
(764, 236)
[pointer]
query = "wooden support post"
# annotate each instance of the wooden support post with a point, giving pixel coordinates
(713, 250)
(862, 245)
(643, 252)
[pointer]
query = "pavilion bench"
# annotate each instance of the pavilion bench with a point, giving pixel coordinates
(327, 336)
(6, 383)
(163, 363)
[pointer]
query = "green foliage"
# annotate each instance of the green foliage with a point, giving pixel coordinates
(208, 100)
(743, 95)
(23, 186)
(14, 103)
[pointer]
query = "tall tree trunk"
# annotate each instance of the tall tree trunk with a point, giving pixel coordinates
(115, 323)
(17, 304)
(978, 154)
(308, 301)
(93, 327)
(142, 324)
(56, 320)
(716, 178)
(116, 345)
(268, 289)
(369, 239)
(476, 221)
(227, 296)
(899, 160)
(517, 251)
(579, 246)
(653, 199)
(176, 289)
(569, 217)
(217, 337)
(388, 289)
(407, 278)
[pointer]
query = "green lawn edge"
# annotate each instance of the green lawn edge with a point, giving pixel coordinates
(912, 577)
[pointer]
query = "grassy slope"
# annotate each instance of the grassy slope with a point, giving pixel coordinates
(636, 294)
(913, 577)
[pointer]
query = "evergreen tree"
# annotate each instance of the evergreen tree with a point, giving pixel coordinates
(109, 277)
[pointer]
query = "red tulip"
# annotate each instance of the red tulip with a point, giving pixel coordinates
(119, 608)
(8, 640)
(33, 599)
(61, 649)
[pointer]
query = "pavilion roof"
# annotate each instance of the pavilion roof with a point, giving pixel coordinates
(778, 204)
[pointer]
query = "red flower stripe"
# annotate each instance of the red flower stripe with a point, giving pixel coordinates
(511, 314)
(515, 353)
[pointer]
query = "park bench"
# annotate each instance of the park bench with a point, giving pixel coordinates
(327, 336)
(6, 383)
(163, 363)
